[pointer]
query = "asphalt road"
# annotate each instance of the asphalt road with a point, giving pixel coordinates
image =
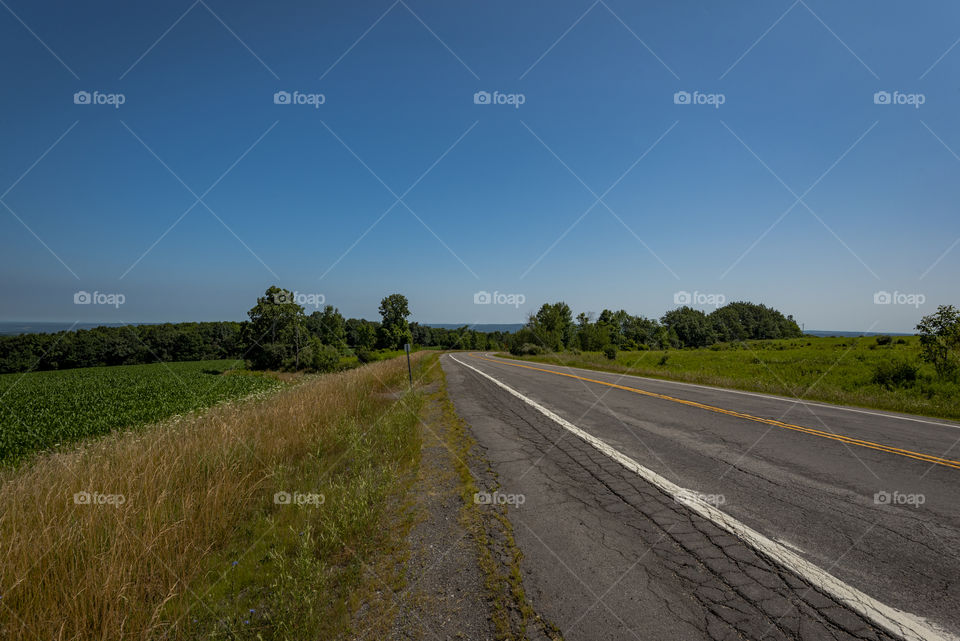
(675, 511)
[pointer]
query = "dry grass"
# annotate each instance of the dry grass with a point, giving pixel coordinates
(198, 492)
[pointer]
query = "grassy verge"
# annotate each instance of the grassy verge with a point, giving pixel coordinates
(256, 520)
(351, 360)
(833, 370)
(41, 410)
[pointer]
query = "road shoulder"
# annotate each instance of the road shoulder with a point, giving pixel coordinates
(461, 577)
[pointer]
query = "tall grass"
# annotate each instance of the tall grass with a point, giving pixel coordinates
(197, 547)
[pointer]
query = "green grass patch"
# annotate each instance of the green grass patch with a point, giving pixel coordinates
(849, 371)
(42, 410)
(303, 571)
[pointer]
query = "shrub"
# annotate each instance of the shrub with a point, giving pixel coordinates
(901, 341)
(663, 360)
(940, 341)
(610, 351)
(884, 339)
(895, 373)
(365, 355)
(529, 349)
(326, 358)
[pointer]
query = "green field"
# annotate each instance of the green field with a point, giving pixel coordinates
(834, 370)
(41, 410)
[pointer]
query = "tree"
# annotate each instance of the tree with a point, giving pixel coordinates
(553, 326)
(940, 340)
(740, 320)
(394, 329)
(361, 333)
(322, 357)
(276, 333)
(690, 326)
(328, 326)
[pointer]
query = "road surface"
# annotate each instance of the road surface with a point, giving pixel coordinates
(661, 510)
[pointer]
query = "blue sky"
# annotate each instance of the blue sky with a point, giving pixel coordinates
(799, 191)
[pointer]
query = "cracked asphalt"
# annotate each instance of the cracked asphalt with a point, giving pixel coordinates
(607, 555)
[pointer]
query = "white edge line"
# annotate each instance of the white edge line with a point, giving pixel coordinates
(784, 399)
(897, 622)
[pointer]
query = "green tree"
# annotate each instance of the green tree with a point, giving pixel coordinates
(553, 326)
(321, 357)
(361, 333)
(329, 327)
(740, 320)
(276, 333)
(940, 340)
(690, 326)
(394, 329)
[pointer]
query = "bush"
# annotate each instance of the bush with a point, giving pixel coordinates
(610, 351)
(365, 355)
(884, 339)
(663, 360)
(326, 358)
(895, 373)
(529, 349)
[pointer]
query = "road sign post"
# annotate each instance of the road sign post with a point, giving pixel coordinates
(406, 348)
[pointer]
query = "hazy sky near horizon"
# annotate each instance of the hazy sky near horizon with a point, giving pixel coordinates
(804, 154)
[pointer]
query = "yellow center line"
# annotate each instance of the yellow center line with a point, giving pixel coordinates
(750, 417)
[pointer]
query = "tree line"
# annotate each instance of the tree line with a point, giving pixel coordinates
(553, 328)
(278, 335)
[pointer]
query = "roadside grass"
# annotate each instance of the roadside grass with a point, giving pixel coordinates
(42, 410)
(350, 360)
(182, 537)
(832, 370)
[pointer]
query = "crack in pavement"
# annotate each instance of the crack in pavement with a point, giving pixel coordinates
(698, 580)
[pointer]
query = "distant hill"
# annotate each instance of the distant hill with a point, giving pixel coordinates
(480, 327)
(818, 332)
(13, 328)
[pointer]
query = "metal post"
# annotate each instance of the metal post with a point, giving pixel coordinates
(406, 348)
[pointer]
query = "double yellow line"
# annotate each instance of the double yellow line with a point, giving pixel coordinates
(712, 408)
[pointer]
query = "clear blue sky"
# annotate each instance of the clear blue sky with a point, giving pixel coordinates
(87, 206)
